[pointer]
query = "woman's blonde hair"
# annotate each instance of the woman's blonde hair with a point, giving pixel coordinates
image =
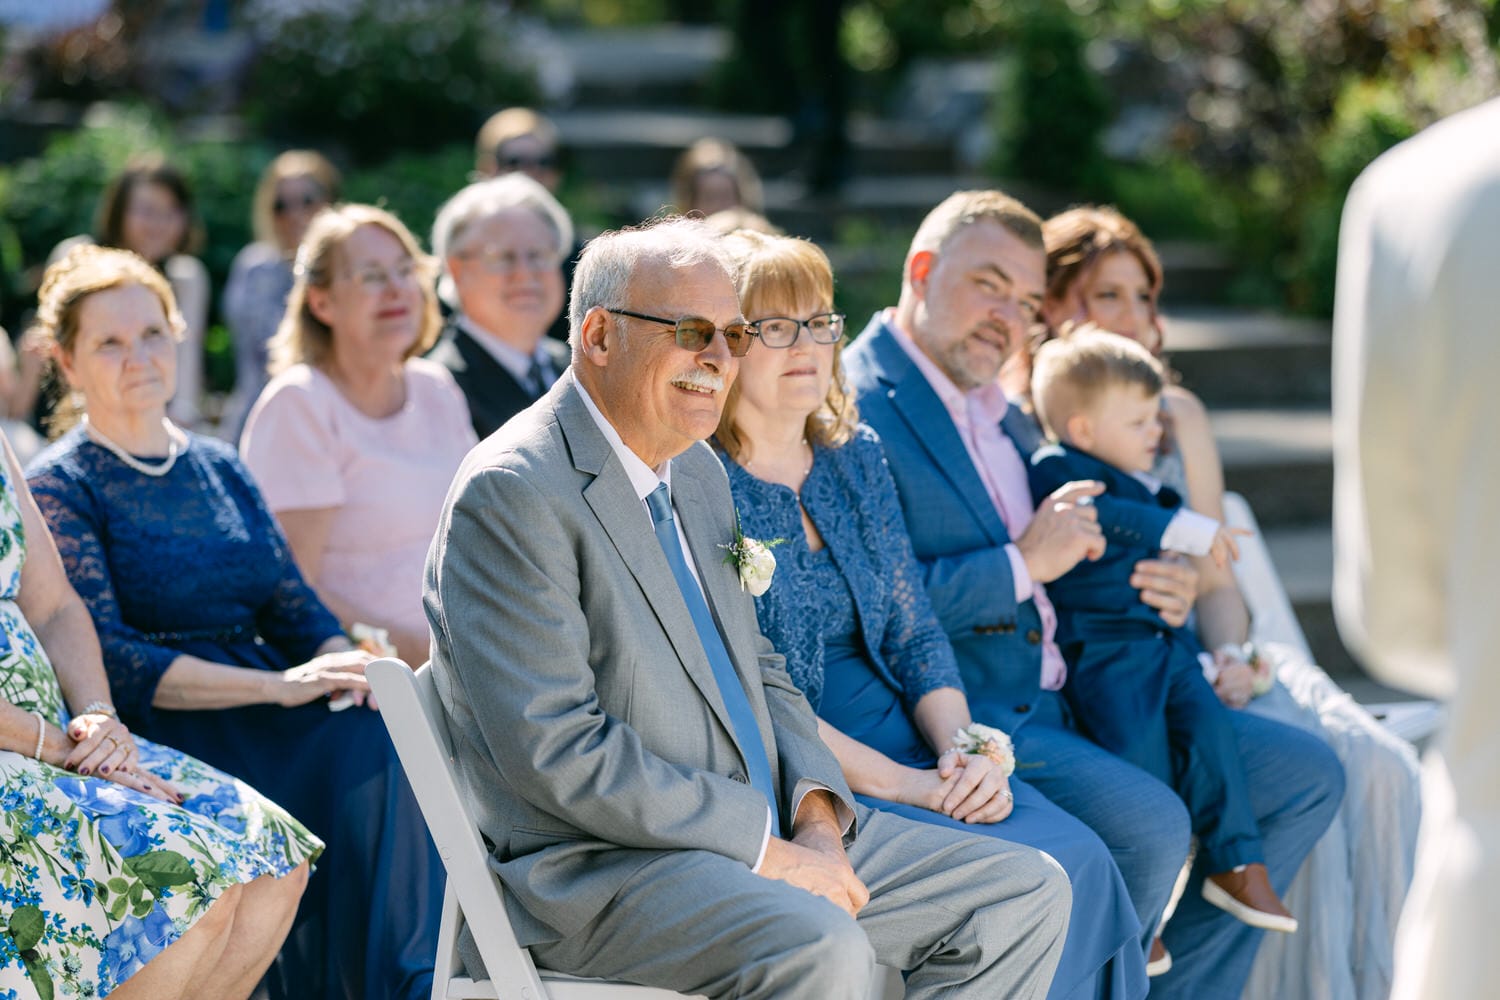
(291, 164)
(302, 338)
(715, 156)
(83, 271)
(779, 273)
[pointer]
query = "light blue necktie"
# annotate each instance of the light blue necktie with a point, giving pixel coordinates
(746, 732)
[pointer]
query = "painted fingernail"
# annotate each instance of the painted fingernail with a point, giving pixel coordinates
(83, 771)
(104, 769)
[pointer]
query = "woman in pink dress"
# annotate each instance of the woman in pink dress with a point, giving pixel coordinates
(356, 438)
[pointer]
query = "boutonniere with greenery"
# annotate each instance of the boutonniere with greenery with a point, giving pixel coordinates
(752, 558)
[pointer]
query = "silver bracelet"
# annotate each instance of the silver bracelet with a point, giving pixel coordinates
(41, 734)
(100, 708)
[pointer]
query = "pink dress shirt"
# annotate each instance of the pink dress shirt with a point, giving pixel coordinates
(976, 416)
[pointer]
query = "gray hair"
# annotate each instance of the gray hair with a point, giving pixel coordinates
(608, 263)
(485, 198)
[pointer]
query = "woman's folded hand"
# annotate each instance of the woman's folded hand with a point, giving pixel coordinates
(325, 675)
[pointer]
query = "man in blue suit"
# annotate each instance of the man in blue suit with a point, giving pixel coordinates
(925, 375)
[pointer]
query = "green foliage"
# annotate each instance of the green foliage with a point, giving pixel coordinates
(371, 78)
(1052, 108)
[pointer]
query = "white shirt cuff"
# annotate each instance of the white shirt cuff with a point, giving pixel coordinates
(765, 842)
(1190, 532)
(1019, 574)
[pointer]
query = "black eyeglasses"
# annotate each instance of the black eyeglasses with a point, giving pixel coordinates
(693, 333)
(783, 331)
(281, 206)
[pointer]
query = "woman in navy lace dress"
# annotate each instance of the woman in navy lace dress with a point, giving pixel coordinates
(213, 642)
(847, 608)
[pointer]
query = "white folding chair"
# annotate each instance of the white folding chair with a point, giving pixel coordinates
(409, 705)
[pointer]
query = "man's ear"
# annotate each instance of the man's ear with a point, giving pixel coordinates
(1078, 431)
(918, 270)
(595, 336)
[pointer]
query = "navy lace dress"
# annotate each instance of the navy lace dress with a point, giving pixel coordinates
(862, 642)
(192, 563)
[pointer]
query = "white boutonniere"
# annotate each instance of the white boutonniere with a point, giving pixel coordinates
(987, 741)
(752, 558)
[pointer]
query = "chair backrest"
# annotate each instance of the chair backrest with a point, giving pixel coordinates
(413, 713)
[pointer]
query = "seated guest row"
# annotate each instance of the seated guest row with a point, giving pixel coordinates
(903, 608)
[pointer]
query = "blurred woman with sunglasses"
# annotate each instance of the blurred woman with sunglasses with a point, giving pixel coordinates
(357, 436)
(848, 610)
(293, 188)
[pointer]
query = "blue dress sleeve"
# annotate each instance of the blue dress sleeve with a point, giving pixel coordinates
(134, 664)
(913, 642)
(1134, 523)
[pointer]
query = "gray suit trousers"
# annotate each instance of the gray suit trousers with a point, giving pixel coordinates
(964, 915)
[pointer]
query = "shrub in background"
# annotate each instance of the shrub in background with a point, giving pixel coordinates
(373, 77)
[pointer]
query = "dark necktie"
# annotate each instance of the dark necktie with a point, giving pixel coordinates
(746, 732)
(536, 384)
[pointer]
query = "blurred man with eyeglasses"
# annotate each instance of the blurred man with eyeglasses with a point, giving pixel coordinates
(501, 242)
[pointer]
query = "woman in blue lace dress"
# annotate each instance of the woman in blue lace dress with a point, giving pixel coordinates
(215, 644)
(127, 869)
(847, 608)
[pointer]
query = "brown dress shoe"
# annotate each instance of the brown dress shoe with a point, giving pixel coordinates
(1246, 893)
(1159, 963)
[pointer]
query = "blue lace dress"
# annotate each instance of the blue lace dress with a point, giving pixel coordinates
(862, 642)
(97, 879)
(192, 563)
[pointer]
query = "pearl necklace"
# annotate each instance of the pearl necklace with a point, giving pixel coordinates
(144, 468)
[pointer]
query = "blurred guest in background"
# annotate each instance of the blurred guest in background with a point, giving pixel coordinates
(293, 188)
(501, 243)
(518, 140)
(356, 438)
(712, 175)
(148, 209)
(212, 641)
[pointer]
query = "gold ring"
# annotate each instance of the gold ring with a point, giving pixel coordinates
(114, 744)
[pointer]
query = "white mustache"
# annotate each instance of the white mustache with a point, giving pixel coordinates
(697, 378)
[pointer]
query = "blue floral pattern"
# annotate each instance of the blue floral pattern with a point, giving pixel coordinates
(97, 879)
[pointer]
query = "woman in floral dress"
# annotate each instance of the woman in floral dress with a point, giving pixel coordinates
(127, 869)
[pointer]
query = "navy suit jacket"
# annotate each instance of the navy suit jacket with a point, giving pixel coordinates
(1095, 599)
(956, 532)
(493, 393)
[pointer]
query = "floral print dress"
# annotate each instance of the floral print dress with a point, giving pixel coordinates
(97, 879)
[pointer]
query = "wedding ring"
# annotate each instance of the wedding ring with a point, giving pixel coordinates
(114, 744)
(1008, 796)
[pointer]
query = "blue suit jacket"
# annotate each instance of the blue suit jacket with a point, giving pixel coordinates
(955, 530)
(1095, 599)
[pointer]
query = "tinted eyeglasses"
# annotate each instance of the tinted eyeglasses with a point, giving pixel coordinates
(783, 331)
(281, 206)
(693, 333)
(545, 161)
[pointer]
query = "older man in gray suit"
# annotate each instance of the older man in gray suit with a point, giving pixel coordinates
(652, 786)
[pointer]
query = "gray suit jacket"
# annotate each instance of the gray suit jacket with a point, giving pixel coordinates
(589, 731)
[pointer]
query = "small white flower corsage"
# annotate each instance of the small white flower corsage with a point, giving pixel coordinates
(753, 559)
(987, 741)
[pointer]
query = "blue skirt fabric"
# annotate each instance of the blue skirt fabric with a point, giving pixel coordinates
(368, 924)
(1102, 956)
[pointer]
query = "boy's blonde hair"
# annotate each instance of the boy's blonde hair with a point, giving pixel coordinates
(1069, 376)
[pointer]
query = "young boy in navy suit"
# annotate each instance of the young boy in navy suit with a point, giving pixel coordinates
(1136, 684)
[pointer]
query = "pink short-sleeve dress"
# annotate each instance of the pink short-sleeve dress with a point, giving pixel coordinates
(308, 447)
